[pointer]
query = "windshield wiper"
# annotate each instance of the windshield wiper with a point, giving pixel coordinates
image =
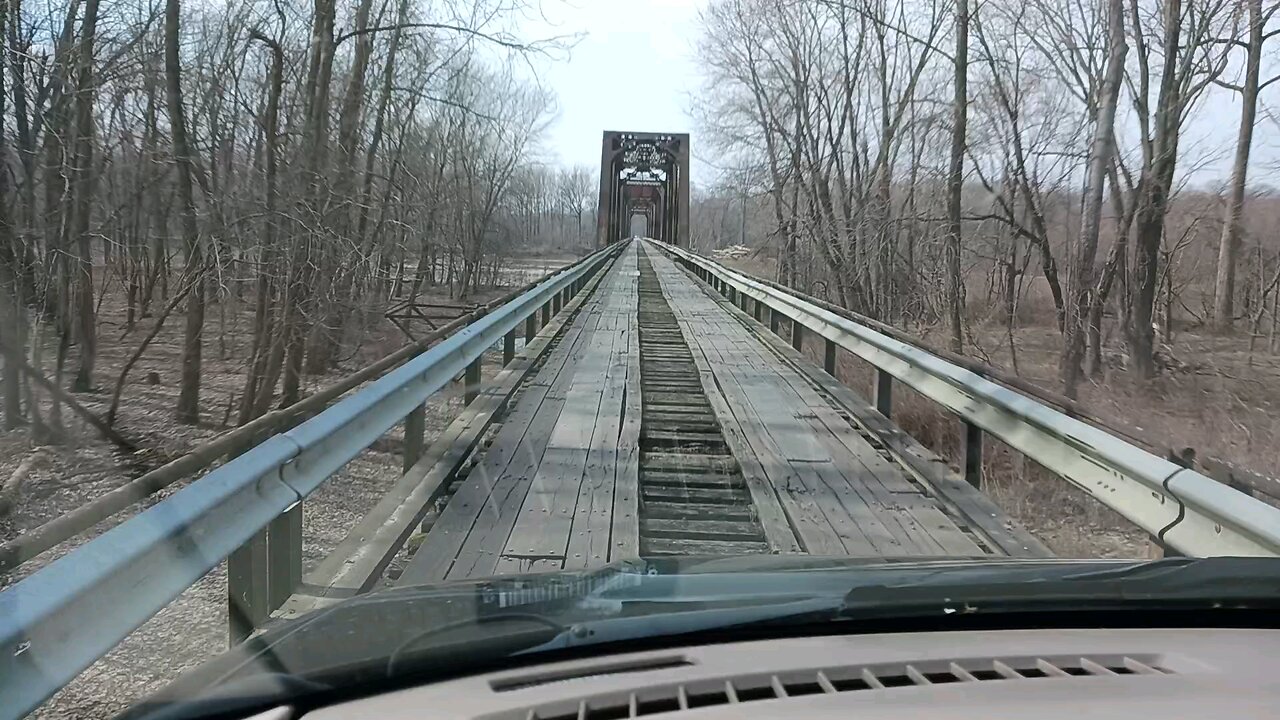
(1203, 583)
(1208, 582)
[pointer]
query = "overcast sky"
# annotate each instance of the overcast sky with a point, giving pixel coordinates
(633, 68)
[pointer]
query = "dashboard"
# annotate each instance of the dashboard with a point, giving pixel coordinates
(1042, 674)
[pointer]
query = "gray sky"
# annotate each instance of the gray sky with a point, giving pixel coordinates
(611, 80)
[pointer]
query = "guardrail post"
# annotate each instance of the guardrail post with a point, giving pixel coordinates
(415, 425)
(973, 454)
(248, 600)
(248, 585)
(508, 348)
(546, 313)
(797, 334)
(471, 381)
(284, 555)
(884, 393)
(530, 327)
(759, 311)
(829, 358)
(774, 324)
(555, 303)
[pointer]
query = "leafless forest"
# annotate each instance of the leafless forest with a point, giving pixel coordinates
(254, 184)
(1015, 180)
(305, 164)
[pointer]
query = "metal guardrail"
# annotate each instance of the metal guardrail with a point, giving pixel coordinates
(58, 621)
(1179, 507)
(227, 445)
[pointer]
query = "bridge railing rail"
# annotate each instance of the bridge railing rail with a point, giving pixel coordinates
(59, 620)
(1183, 510)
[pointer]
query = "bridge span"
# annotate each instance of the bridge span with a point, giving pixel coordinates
(660, 404)
(662, 420)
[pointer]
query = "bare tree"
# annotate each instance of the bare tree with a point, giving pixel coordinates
(188, 410)
(1101, 152)
(955, 175)
(1188, 63)
(1233, 211)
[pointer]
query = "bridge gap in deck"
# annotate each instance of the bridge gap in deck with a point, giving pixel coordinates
(695, 496)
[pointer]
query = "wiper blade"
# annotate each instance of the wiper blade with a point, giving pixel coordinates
(597, 632)
(1209, 582)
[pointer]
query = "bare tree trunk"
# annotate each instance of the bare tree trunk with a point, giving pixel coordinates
(1228, 244)
(1074, 341)
(188, 410)
(12, 309)
(955, 177)
(114, 406)
(269, 255)
(83, 185)
(1153, 197)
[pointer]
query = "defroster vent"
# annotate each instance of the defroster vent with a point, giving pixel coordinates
(659, 699)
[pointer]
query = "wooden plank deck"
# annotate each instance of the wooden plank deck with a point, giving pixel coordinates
(543, 494)
(841, 496)
(559, 485)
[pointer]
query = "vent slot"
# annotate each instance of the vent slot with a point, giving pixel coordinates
(751, 688)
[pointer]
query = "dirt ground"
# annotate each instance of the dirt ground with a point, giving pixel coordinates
(194, 627)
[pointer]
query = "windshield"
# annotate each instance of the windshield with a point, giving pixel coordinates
(306, 302)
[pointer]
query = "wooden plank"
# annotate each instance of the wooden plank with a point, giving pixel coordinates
(708, 529)
(488, 535)
(878, 482)
(666, 479)
(834, 476)
(999, 532)
(698, 511)
(942, 528)
(568, 508)
(887, 528)
(995, 529)
(793, 485)
(571, 479)
(695, 495)
(624, 535)
(677, 462)
(591, 533)
(802, 439)
(668, 546)
(546, 516)
(437, 555)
